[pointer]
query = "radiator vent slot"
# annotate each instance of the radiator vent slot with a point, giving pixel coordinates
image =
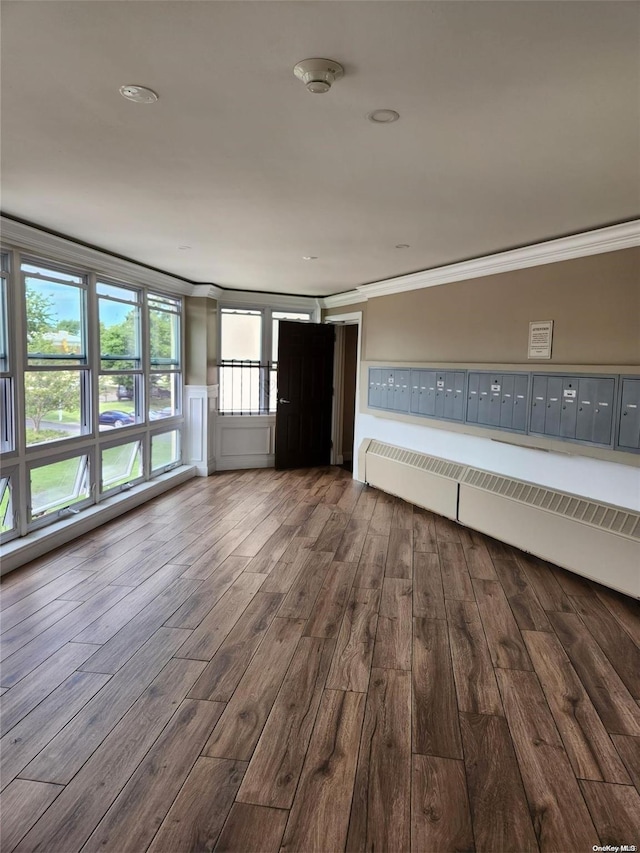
(595, 514)
(431, 464)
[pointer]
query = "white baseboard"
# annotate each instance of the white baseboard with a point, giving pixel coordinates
(251, 460)
(206, 470)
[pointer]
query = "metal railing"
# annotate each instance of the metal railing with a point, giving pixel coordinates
(247, 387)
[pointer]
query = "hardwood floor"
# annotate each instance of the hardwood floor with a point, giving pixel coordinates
(292, 661)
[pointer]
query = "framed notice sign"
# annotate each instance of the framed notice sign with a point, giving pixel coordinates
(540, 339)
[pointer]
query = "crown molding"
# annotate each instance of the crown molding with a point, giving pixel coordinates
(253, 299)
(348, 298)
(611, 239)
(57, 248)
(207, 291)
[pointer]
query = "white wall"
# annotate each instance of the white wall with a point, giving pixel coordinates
(593, 478)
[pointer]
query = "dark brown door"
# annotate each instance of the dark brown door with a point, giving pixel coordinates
(305, 394)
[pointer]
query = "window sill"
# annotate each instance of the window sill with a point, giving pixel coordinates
(17, 552)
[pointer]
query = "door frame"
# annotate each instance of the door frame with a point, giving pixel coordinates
(352, 318)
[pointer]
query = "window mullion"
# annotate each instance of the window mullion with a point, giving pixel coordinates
(267, 345)
(91, 398)
(144, 387)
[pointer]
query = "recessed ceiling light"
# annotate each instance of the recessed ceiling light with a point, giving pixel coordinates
(138, 94)
(183, 248)
(383, 116)
(309, 257)
(402, 246)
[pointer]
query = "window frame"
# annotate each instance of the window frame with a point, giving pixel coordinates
(174, 370)
(12, 474)
(266, 365)
(109, 445)
(22, 459)
(138, 373)
(7, 359)
(71, 509)
(82, 363)
(156, 472)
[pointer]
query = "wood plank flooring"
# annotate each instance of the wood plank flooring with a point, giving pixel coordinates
(295, 662)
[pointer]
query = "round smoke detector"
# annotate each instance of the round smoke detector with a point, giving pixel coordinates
(318, 74)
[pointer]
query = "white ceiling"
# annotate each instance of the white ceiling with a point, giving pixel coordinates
(519, 123)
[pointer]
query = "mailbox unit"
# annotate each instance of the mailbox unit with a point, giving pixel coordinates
(498, 400)
(599, 410)
(438, 394)
(575, 408)
(628, 426)
(389, 389)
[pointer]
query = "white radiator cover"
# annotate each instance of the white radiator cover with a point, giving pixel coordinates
(398, 472)
(595, 540)
(603, 556)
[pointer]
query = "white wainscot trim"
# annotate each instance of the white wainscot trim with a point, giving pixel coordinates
(199, 440)
(245, 441)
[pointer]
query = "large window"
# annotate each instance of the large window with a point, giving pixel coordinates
(165, 357)
(56, 389)
(87, 368)
(241, 369)
(121, 374)
(248, 358)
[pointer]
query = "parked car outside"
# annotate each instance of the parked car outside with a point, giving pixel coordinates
(115, 419)
(157, 391)
(125, 393)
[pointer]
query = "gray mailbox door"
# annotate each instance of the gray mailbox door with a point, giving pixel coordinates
(538, 404)
(521, 386)
(629, 435)
(554, 405)
(507, 398)
(473, 392)
(569, 410)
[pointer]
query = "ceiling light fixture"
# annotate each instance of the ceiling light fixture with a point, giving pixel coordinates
(383, 116)
(309, 257)
(402, 246)
(138, 94)
(318, 74)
